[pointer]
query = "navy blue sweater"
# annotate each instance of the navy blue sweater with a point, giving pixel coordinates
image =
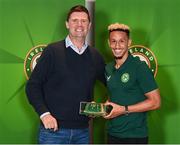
(61, 79)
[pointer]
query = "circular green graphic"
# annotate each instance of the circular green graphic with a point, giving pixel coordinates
(125, 78)
(32, 59)
(145, 54)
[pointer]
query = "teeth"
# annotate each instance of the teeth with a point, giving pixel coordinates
(79, 30)
(117, 51)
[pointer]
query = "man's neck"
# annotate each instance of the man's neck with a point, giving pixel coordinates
(120, 61)
(77, 41)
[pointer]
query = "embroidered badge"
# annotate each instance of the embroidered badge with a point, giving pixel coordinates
(125, 78)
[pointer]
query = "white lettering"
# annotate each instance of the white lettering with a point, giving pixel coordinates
(147, 53)
(36, 50)
(32, 53)
(130, 50)
(151, 58)
(141, 50)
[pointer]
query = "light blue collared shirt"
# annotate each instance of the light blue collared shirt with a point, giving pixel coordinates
(68, 43)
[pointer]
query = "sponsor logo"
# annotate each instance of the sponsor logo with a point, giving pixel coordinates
(145, 54)
(108, 78)
(125, 77)
(32, 59)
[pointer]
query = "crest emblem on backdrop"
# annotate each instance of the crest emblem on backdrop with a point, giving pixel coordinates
(145, 54)
(32, 59)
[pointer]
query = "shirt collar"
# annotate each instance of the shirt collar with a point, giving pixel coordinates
(69, 43)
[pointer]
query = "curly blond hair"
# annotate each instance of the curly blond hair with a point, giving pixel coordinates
(116, 26)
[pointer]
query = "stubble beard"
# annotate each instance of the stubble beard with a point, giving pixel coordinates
(117, 57)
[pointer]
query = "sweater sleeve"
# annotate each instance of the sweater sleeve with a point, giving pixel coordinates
(34, 86)
(100, 64)
(101, 73)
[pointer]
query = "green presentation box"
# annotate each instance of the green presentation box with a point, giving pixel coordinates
(94, 109)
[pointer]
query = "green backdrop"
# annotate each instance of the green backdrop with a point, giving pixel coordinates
(27, 23)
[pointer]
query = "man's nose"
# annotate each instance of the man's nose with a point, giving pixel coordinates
(117, 45)
(79, 23)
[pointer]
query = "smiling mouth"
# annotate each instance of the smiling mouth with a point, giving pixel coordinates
(79, 30)
(117, 51)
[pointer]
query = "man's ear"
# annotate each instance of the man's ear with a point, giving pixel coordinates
(67, 24)
(129, 42)
(89, 25)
